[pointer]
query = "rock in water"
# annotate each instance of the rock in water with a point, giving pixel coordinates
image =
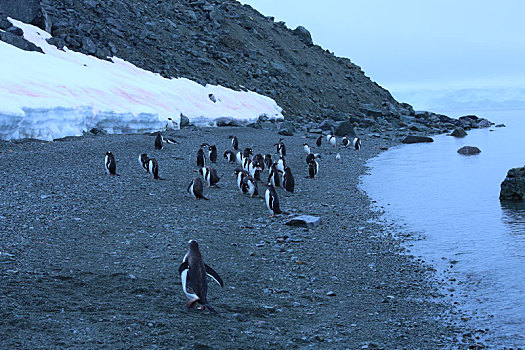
(417, 139)
(307, 221)
(513, 187)
(459, 132)
(469, 150)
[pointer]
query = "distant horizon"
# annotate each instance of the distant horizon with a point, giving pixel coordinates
(410, 46)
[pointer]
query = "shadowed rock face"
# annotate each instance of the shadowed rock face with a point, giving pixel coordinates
(513, 187)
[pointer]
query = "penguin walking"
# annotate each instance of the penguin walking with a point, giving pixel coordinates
(193, 272)
(319, 141)
(110, 163)
(229, 156)
(212, 153)
(195, 188)
(272, 201)
(313, 169)
(250, 186)
(159, 143)
(153, 168)
(357, 143)
(288, 180)
(345, 142)
(240, 174)
(307, 148)
(268, 161)
(332, 140)
(210, 176)
(201, 161)
(281, 148)
(235, 142)
(143, 161)
(274, 177)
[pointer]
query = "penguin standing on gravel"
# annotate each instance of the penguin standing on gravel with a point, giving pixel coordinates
(159, 144)
(319, 141)
(210, 176)
(332, 140)
(272, 201)
(110, 163)
(281, 148)
(249, 186)
(313, 169)
(357, 143)
(274, 177)
(240, 174)
(201, 161)
(170, 124)
(143, 161)
(196, 189)
(235, 142)
(212, 153)
(307, 148)
(345, 142)
(153, 168)
(288, 180)
(268, 161)
(193, 272)
(230, 156)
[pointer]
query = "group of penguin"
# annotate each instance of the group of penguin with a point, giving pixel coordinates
(193, 271)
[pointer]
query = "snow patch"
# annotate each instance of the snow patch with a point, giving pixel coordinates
(65, 93)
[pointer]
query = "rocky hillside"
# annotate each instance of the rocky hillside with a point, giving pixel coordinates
(215, 42)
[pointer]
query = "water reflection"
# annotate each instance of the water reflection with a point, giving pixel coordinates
(513, 216)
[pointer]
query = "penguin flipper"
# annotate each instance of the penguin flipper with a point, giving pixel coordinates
(212, 309)
(182, 267)
(214, 275)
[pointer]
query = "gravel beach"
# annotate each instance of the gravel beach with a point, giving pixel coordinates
(89, 260)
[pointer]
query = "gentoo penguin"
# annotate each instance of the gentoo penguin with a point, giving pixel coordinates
(240, 174)
(143, 161)
(258, 162)
(246, 163)
(210, 176)
(170, 124)
(313, 169)
(238, 157)
(193, 272)
(319, 141)
(159, 144)
(345, 142)
(268, 161)
(307, 148)
(153, 168)
(235, 142)
(201, 161)
(195, 188)
(337, 157)
(212, 153)
(357, 143)
(250, 186)
(272, 202)
(274, 178)
(281, 147)
(281, 164)
(288, 180)
(230, 156)
(110, 163)
(312, 156)
(332, 140)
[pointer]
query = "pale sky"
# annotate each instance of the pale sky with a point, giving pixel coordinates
(407, 44)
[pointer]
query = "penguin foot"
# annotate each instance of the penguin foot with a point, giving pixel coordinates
(191, 303)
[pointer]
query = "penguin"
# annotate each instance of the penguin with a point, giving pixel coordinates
(210, 176)
(313, 169)
(247, 152)
(337, 157)
(281, 164)
(357, 143)
(246, 163)
(307, 148)
(281, 147)
(201, 161)
(238, 157)
(258, 162)
(250, 186)
(272, 201)
(143, 161)
(153, 168)
(268, 161)
(110, 163)
(235, 142)
(312, 156)
(288, 180)
(195, 188)
(345, 142)
(212, 153)
(230, 156)
(319, 141)
(274, 177)
(240, 174)
(193, 272)
(159, 144)
(332, 140)
(170, 124)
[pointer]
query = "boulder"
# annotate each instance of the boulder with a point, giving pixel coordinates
(469, 150)
(327, 125)
(513, 187)
(345, 128)
(304, 35)
(184, 121)
(19, 41)
(484, 123)
(416, 139)
(286, 129)
(27, 11)
(307, 221)
(459, 132)
(227, 121)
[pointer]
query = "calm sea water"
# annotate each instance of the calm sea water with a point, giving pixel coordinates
(476, 242)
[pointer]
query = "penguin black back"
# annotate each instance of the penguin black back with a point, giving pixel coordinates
(196, 189)
(201, 162)
(274, 177)
(143, 161)
(230, 156)
(272, 201)
(268, 161)
(110, 164)
(288, 180)
(235, 142)
(319, 141)
(159, 142)
(313, 168)
(212, 152)
(309, 158)
(153, 168)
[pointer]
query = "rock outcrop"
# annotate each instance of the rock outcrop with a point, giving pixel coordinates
(416, 139)
(513, 187)
(469, 150)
